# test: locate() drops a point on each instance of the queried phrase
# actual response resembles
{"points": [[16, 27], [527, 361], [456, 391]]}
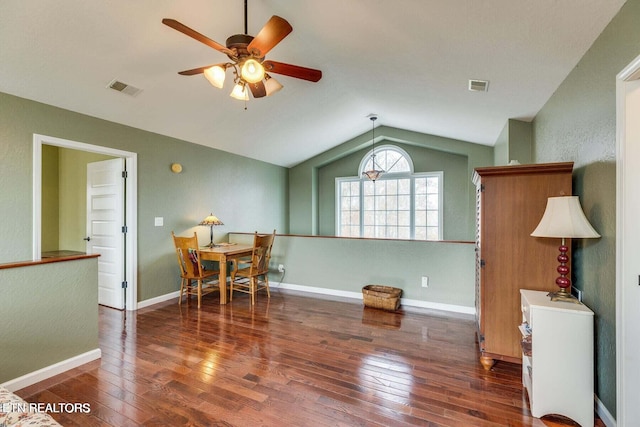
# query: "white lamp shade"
{"points": [[271, 85], [252, 71], [215, 75], [240, 92], [563, 217]]}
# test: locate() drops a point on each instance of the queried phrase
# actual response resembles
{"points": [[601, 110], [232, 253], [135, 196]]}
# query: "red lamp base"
{"points": [[563, 281]]}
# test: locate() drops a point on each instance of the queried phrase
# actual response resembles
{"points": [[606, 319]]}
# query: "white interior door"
{"points": [[105, 222]]}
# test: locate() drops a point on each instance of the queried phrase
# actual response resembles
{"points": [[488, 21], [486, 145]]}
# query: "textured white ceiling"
{"points": [[409, 61]]}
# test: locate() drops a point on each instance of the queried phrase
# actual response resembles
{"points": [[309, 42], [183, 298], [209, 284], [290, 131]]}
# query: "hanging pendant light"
{"points": [[373, 173]]}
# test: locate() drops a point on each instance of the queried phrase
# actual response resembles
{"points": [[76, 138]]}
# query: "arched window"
{"points": [[390, 159], [400, 204]]}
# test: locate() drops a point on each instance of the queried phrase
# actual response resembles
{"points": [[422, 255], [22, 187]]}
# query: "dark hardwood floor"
{"points": [[289, 361]]}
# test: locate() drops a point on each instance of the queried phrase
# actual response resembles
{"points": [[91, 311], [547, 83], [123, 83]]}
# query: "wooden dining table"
{"points": [[223, 254]]}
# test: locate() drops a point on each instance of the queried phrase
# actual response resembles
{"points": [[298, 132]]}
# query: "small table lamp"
{"points": [[563, 218], [211, 220]]}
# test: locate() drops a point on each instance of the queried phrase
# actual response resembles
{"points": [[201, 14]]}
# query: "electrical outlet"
{"points": [[281, 268], [425, 281]]}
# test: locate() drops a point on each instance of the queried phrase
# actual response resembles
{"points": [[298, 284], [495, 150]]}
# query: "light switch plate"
{"points": [[159, 221]]}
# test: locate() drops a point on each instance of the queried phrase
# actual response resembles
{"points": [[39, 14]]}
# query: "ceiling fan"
{"points": [[247, 55]]}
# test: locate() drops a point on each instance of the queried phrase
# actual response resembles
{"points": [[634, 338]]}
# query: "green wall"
{"points": [[50, 199], [334, 264], [305, 206], [514, 143], [578, 124], [64, 192], [48, 313], [231, 186]]}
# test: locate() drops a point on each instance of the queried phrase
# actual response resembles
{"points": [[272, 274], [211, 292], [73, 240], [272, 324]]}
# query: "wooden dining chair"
{"points": [[195, 280], [247, 278]]}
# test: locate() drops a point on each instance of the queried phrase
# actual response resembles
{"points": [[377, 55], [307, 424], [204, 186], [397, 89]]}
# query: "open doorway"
{"points": [[627, 237], [42, 142]]}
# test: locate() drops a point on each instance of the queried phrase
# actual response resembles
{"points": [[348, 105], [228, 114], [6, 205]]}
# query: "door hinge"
{"points": [[125, 174], [124, 285], [482, 263], [124, 229], [481, 187]]}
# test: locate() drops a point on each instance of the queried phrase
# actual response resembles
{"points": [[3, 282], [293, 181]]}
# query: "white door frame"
{"points": [[627, 328], [131, 214]]}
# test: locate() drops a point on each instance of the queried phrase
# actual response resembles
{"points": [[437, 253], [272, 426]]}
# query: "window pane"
{"points": [[345, 188], [404, 203], [432, 185], [404, 232], [432, 233], [368, 203], [421, 218], [403, 186], [354, 203], [432, 218], [404, 218], [354, 219], [432, 201], [392, 218], [421, 233], [392, 202], [421, 202], [368, 188], [421, 185]]}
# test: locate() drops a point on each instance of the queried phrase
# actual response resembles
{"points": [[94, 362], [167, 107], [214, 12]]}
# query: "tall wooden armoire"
{"points": [[510, 201]]}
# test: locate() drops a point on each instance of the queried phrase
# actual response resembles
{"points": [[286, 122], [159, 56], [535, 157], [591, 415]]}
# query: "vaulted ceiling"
{"points": [[409, 61]]}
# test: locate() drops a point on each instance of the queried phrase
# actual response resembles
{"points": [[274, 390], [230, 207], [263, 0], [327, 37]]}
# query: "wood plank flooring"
{"points": [[291, 360]]}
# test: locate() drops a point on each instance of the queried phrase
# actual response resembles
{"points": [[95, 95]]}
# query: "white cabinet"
{"points": [[557, 359]]}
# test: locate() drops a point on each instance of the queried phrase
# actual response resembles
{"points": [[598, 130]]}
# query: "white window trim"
{"points": [[403, 153], [386, 176]]}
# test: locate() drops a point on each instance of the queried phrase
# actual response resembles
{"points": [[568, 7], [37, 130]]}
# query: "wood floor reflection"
{"points": [[289, 361]]}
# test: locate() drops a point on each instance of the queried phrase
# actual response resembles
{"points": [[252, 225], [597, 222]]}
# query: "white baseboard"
{"points": [[52, 370], [335, 293], [604, 414], [358, 295], [156, 300]]}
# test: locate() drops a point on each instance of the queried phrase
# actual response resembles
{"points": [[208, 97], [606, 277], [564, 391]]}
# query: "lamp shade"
{"points": [[211, 220], [240, 92], [271, 85], [252, 71], [215, 75], [564, 217]]}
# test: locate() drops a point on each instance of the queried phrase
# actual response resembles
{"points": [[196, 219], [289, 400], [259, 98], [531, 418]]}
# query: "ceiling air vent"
{"points": [[478, 85], [124, 88]]}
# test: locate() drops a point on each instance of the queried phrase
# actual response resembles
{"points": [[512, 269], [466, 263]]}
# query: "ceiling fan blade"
{"points": [[257, 89], [292, 71], [195, 35], [270, 35], [195, 71]]}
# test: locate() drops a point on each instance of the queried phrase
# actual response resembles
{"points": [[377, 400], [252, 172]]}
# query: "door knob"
{"points": [[87, 238]]}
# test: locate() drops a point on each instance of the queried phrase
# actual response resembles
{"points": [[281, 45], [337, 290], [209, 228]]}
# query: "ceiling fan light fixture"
{"points": [[271, 85], [240, 92], [252, 71], [215, 75]]}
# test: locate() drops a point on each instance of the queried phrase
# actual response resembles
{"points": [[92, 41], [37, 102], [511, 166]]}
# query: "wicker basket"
{"points": [[379, 296]]}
